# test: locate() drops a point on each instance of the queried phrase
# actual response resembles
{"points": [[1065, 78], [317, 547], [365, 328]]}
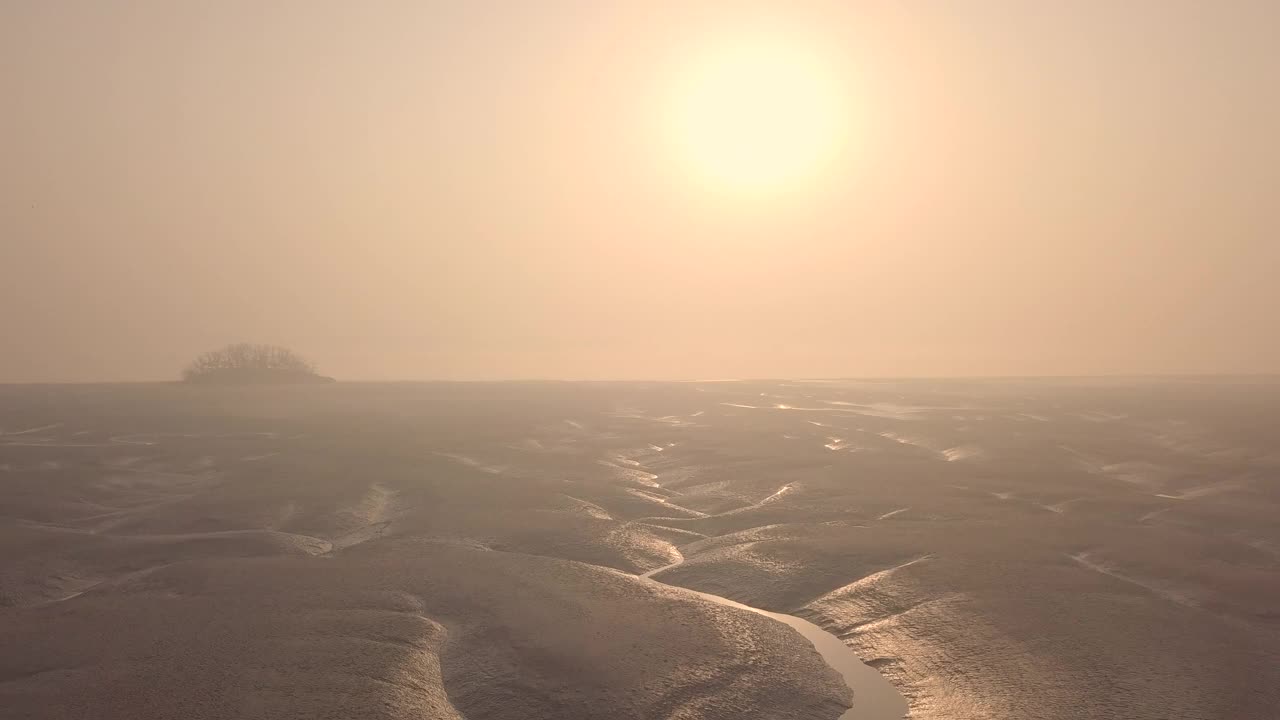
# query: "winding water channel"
{"points": [[874, 697]]}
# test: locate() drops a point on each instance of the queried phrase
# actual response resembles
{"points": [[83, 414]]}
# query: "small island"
{"points": [[252, 364]]}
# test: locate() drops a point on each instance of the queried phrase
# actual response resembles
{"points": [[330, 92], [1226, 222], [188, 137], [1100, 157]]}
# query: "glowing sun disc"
{"points": [[757, 117]]}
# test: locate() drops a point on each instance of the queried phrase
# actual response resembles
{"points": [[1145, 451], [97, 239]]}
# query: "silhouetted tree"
{"points": [[248, 362]]}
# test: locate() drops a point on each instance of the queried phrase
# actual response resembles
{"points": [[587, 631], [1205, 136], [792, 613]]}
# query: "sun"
{"points": [[757, 117]]}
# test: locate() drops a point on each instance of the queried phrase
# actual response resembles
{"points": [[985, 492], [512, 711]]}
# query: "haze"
{"points": [[481, 190]]}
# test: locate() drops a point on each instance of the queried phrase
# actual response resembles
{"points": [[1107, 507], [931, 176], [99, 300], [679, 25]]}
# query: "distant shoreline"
{"points": [[1231, 378]]}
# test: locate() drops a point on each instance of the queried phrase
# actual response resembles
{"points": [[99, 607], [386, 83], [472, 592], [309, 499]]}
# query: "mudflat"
{"points": [[996, 549]]}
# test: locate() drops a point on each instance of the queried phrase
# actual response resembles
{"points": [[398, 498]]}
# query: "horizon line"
{"points": [[1275, 375]]}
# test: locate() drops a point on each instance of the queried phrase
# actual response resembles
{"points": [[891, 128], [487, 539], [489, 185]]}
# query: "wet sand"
{"points": [[873, 697], [1061, 550]]}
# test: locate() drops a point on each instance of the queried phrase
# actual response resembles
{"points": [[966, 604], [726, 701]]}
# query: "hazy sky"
{"points": [[489, 189]]}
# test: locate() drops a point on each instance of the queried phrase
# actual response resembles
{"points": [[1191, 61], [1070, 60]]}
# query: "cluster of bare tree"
{"points": [[248, 358]]}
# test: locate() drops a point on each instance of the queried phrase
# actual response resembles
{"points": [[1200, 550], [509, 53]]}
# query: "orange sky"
{"points": [[405, 190]]}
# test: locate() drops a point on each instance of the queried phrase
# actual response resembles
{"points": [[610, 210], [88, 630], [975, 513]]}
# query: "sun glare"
{"points": [[757, 118]]}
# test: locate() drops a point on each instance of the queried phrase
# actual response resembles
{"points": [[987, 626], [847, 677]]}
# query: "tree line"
{"points": [[248, 360]]}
